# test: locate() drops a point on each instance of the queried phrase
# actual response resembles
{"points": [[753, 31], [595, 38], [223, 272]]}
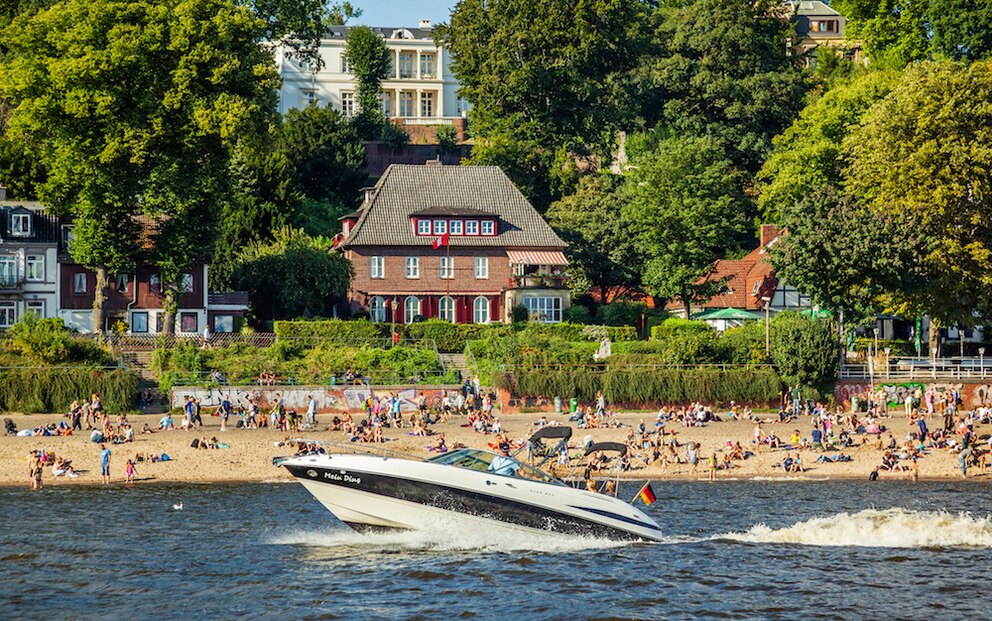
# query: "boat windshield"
{"points": [[475, 459]]}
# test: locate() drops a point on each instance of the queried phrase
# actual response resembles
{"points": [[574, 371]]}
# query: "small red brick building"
{"points": [[500, 253]]}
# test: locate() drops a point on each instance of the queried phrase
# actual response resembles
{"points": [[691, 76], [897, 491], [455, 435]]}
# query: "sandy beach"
{"points": [[250, 451]]}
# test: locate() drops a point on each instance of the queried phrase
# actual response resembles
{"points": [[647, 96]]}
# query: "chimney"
{"points": [[768, 233], [3, 192], [425, 24]]}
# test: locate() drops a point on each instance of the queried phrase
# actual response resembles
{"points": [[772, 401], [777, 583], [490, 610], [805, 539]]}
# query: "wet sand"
{"points": [[249, 457]]}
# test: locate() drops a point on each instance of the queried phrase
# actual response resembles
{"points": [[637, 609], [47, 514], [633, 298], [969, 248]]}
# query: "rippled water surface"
{"points": [[740, 550]]}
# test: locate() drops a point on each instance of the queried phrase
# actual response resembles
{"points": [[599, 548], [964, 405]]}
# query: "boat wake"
{"points": [[889, 528], [444, 540]]}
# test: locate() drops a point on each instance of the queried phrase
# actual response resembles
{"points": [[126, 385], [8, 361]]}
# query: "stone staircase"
{"points": [[455, 362], [140, 361]]}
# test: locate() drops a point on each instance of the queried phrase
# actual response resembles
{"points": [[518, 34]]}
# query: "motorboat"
{"points": [[370, 491]]}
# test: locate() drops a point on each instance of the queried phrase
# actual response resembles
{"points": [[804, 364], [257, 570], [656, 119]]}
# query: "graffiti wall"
{"points": [[329, 398], [973, 395]]}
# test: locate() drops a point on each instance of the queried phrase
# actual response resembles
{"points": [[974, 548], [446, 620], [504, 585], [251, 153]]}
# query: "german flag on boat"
{"points": [[646, 494]]}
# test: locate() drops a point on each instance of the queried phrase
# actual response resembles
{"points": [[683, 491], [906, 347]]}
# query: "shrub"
{"points": [[52, 390], [676, 325], [395, 137], [898, 347], [43, 340], [744, 344], [451, 337], [447, 139], [519, 314], [622, 313], [805, 350], [333, 329], [577, 314]]}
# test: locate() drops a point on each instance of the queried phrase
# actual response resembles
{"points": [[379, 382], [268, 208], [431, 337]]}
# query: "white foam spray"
{"points": [[889, 528]]}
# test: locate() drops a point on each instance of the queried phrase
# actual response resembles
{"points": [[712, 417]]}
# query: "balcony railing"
{"points": [[10, 281], [536, 281]]}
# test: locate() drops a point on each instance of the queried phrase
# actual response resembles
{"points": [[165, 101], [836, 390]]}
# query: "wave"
{"points": [[889, 528], [444, 538]]}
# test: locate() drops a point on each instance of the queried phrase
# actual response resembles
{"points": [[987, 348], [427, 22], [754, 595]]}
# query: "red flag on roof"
{"points": [[441, 241]]}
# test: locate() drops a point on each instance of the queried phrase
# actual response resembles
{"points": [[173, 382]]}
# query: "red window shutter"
{"points": [[494, 309]]}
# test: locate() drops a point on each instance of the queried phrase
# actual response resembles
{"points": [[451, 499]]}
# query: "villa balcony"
{"points": [[538, 281], [9, 282]]}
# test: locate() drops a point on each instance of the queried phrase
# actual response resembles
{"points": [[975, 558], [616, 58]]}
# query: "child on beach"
{"points": [[130, 471]]}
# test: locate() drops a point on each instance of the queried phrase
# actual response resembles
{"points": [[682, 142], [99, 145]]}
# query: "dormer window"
{"points": [[471, 227], [488, 227], [20, 225], [423, 227], [67, 235], [456, 227], [440, 227]]}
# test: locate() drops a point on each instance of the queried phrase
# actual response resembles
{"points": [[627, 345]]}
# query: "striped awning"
{"points": [[536, 257]]}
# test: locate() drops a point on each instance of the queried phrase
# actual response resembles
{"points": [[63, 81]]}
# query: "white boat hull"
{"points": [[378, 492]]}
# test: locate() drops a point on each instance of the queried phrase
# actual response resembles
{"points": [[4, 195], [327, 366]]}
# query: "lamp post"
{"points": [[875, 330], [887, 351], [981, 360], [391, 305], [768, 349]]}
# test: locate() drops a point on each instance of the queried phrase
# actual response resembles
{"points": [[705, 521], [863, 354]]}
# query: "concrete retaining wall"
{"points": [[329, 398], [973, 395]]}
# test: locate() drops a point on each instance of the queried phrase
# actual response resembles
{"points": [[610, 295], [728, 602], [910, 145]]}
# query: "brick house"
{"points": [[750, 281], [501, 252]]}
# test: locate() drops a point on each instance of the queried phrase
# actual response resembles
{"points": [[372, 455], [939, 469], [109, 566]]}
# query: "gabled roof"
{"points": [[813, 8], [44, 226], [404, 190]]}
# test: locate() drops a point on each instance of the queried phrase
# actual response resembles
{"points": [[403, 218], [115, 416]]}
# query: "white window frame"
{"points": [[79, 285], [20, 225], [196, 318], [377, 309], [225, 317], [310, 98], [377, 267], [122, 282], [411, 267], [404, 105], [428, 60], [427, 104], [447, 268], [345, 65], [440, 227], [34, 270], [423, 226], [456, 227], [8, 314], [446, 308], [35, 306], [480, 310], [407, 308], [9, 269], [471, 227], [544, 309], [407, 65], [481, 268], [134, 323], [348, 107], [487, 227], [386, 105]]}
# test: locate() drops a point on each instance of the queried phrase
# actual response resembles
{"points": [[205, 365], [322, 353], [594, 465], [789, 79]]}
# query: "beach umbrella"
{"points": [[809, 312], [727, 314]]}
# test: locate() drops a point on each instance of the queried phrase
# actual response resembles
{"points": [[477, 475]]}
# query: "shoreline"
{"points": [[249, 456]]}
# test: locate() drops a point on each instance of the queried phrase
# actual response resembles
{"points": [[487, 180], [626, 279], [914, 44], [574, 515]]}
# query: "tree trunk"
{"points": [[99, 300], [170, 294], [687, 305], [934, 338]]}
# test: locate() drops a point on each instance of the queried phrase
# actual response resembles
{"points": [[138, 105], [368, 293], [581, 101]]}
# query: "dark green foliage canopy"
{"points": [[324, 154], [805, 351]]}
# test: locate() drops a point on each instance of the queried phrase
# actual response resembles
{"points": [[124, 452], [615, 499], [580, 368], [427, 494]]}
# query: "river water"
{"points": [[736, 550]]}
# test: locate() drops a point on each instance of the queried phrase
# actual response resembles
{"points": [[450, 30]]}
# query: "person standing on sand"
{"points": [[713, 464], [130, 471], [35, 468], [105, 464], [915, 470]]}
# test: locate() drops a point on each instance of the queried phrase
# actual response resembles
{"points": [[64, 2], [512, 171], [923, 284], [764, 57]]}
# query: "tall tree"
{"points": [[369, 59], [133, 106], [686, 209], [925, 151], [808, 155], [296, 24], [600, 247], [325, 154], [724, 72], [293, 275]]}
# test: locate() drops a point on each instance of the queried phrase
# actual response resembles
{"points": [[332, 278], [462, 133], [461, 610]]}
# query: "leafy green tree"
{"points": [[133, 106], [296, 24], [600, 245], [318, 218], [962, 29], [369, 59], [723, 72], [341, 13], [805, 350], [924, 153], [525, 162], [847, 257], [293, 275], [544, 70], [324, 153], [685, 210], [447, 139], [808, 155]]}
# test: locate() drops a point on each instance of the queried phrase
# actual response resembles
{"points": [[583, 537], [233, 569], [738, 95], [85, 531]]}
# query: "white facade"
{"points": [[421, 88], [28, 262]]}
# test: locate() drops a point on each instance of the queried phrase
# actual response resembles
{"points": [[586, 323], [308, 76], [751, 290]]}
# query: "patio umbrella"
{"points": [[729, 314]]}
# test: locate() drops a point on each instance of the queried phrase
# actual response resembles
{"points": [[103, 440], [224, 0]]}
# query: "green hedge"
{"points": [[53, 390], [451, 337], [898, 348], [629, 385], [334, 329]]}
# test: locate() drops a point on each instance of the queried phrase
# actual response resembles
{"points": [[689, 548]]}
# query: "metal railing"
{"points": [[470, 360], [308, 378], [918, 369]]}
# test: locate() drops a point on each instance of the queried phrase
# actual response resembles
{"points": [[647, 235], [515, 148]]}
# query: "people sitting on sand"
{"points": [[828, 459], [63, 467]]}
